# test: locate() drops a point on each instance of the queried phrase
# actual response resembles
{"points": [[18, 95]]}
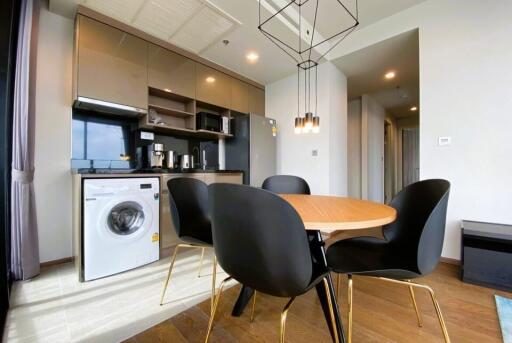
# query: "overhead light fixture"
{"points": [[210, 79], [310, 48], [390, 75], [414, 108], [252, 57]]}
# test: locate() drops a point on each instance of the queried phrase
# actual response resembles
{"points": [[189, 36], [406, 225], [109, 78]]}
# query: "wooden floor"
{"points": [[383, 312]]}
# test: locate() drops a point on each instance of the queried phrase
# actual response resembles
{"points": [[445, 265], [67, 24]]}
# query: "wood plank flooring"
{"points": [[383, 312]]}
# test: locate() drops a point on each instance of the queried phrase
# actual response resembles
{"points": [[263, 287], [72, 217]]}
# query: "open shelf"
{"points": [[213, 134], [170, 111], [205, 107]]}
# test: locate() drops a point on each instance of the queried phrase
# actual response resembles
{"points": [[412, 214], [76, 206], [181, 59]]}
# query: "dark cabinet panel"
{"points": [[111, 65], [171, 72]]}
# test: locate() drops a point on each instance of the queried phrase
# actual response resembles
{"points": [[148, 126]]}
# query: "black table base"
{"points": [[316, 244]]}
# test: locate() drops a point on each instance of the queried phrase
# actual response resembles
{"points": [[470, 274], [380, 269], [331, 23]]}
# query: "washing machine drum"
{"points": [[125, 218]]}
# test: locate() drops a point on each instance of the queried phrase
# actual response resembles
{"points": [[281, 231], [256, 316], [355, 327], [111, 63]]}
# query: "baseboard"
{"points": [[450, 261], [57, 262]]}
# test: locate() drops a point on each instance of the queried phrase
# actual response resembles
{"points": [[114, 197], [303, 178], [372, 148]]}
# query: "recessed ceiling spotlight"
{"points": [[210, 79], [252, 57], [414, 108], [168, 90], [390, 75]]}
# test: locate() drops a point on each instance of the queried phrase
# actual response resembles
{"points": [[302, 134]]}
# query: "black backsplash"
{"points": [[100, 141]]}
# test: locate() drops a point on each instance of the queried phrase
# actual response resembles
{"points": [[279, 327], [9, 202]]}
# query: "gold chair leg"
{"points": [[338, 284], [284, 313], [331, 310], [411, 290], [169, 273], [214, 309], [350, 308], [201, 262], [439, 315], [253, 306], [434, 301], [214, 281]]}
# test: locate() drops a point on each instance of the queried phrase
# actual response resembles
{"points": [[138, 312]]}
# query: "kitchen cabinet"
{"points": [[111, 65], [239, 96], [212, 86], [236, 178], [256, 100], [171, 72]]}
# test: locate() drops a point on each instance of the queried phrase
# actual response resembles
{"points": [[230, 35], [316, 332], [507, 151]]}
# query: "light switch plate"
{"points": [[314, 153], [444, 141]]}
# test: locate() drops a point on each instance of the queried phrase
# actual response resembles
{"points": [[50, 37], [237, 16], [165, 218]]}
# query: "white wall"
{"points": [[354, 148], [52, 180], [327, 172], [465, 93], [372, 125]]}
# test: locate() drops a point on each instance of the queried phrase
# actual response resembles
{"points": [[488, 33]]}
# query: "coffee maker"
{"points": [[150, 156]]}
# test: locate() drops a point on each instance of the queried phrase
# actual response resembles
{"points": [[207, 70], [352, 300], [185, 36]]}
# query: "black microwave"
{"points": [[211, 122]]}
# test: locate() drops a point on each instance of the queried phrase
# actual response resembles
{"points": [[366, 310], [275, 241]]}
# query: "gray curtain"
{"points": [[24, 239]]}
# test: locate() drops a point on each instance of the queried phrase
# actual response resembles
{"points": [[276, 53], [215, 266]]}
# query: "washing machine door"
{"points": [[126, 218]]}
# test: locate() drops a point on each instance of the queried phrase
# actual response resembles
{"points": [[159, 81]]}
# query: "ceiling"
{"points": [[365, 71], [201, 26]]}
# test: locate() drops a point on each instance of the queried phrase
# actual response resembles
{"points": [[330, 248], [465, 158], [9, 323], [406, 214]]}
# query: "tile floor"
{"points": [[55, 307]]}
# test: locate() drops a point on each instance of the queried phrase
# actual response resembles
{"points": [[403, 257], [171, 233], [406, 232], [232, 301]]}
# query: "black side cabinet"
{"points": [[487, 254]]}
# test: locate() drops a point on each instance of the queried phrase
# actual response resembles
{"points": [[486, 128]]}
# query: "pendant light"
{"points": [[307, 52]]}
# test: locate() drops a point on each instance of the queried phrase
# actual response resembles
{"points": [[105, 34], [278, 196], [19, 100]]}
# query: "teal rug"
{"points": [[504, 307]]}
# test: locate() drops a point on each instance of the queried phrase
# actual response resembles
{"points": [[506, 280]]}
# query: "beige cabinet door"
{"points": [[171, 72], [239, 96], [235, 178], [212, 86], [256, 100], [168, 236], [112, 65]]}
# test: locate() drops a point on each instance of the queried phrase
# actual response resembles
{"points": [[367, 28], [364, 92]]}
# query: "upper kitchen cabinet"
{"points": [[171, 72], [111, 65], [239, 96], [212, 86], [256, 100]]}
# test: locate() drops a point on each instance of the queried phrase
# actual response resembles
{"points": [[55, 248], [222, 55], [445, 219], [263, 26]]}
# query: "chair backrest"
{"points": [[188, 198], [260, 240], [286, 184], [421, 220]]}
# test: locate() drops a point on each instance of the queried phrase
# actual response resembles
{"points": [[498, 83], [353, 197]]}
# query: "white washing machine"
{"points": [[120, 225]]}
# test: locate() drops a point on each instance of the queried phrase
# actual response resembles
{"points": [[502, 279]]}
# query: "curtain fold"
{"points": [[24, 236]]}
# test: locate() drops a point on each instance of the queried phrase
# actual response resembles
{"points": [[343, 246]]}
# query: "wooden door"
{"points": [[112, 64], [171, 72], [213, 86]]}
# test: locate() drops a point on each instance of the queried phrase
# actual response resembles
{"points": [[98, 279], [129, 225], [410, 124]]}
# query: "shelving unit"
{"points": [[173, 113]]}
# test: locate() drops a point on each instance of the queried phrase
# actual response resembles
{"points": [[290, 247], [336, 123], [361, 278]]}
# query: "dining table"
{"points": [[328, 215]]}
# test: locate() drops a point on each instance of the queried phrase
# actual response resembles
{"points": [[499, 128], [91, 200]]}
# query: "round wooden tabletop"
{"points": [[330, 214]]}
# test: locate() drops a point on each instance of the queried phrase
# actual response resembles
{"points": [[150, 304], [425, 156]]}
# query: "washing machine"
{"points": [[120, 228]]}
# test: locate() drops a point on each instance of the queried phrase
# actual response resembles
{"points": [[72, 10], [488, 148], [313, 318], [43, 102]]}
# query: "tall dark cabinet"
{"points": [[9, 10]]}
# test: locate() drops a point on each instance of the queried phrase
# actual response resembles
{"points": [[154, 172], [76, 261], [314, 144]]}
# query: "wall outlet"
{"points": [[444, 141]]}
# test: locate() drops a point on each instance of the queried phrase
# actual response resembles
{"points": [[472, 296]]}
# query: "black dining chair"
{"points": [[286, 184], [411, 247], [188, 200], [260, 241]]}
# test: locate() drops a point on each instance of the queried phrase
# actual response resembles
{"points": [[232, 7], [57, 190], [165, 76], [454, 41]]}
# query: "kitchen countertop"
{"points": [[107, 171]]}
